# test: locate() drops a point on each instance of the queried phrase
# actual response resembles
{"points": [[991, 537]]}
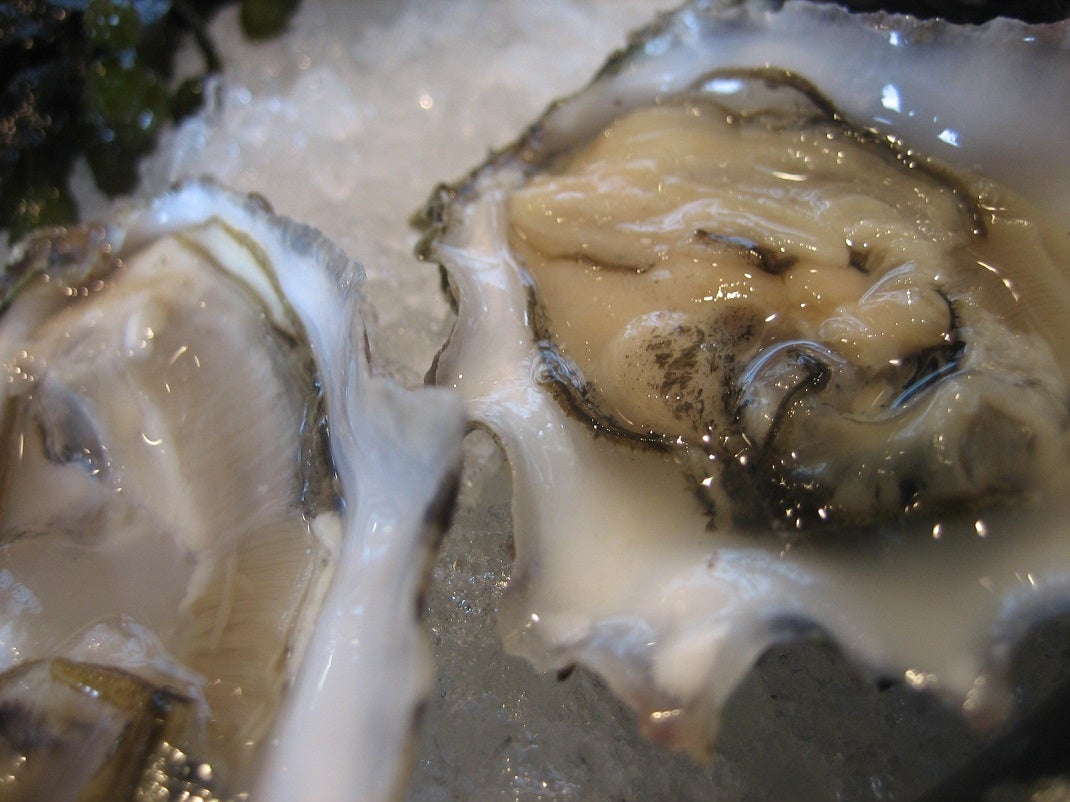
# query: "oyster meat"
{"points": [[214, 520], [770, 321]]}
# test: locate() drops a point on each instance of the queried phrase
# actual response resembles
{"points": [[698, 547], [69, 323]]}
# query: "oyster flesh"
{"points": [[770, 321], [214, 520]]}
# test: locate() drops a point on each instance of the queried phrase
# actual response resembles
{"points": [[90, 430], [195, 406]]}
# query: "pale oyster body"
{"points": [[632, 561], [213, 515]]}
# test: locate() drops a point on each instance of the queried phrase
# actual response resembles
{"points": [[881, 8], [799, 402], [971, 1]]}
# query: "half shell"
{"points": [[213, 514], [620, 566]]}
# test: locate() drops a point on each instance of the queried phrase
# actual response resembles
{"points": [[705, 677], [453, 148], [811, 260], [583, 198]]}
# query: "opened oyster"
{"points": [[214, 521], [770, 322]]}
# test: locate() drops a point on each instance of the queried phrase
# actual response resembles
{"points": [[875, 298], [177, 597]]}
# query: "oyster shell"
{"points": [[637, 549], [213, 515]]}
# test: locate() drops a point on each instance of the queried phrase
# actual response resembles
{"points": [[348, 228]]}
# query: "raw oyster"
{"points": [[701, 358], [215, 521]]}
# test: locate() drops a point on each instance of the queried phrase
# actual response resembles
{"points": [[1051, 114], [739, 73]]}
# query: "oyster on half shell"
{"points": [[770, 322], [214, 521]]}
